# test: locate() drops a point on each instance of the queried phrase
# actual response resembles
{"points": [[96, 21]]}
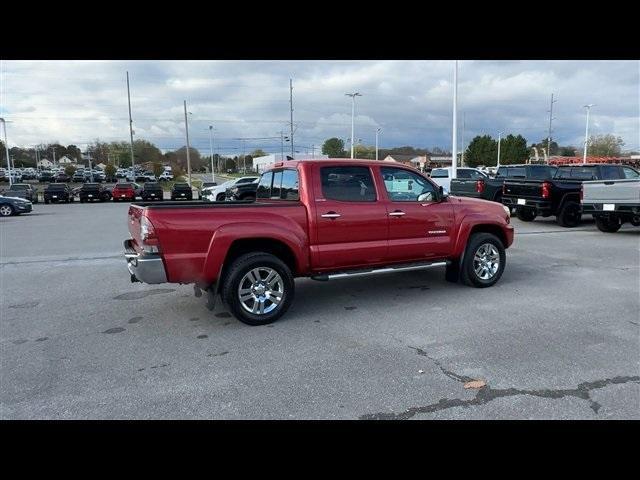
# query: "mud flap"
{"points": [[212, 293]]}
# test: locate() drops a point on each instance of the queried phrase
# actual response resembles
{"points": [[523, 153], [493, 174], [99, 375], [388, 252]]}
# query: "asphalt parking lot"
{"points": [[557, 338]]}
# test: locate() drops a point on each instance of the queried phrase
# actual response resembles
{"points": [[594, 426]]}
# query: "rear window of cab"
{"points": [[279, 185]]}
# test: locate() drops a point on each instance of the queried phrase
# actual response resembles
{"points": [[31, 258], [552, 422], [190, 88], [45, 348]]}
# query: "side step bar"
{"points": [[359, 273]]}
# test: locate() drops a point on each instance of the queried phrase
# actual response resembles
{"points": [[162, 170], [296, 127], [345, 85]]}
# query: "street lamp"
{"points": [[6, 148], [353, 109], [586, 133], [499, 142], [213, 175]]}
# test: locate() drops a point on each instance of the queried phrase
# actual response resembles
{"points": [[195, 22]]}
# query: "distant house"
{"points": [[44, 163], [262, 163], [66, 161], [418, 162]]}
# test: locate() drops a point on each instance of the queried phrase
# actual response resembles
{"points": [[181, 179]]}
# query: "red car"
{"points": [[320, 219], [125, 191]]}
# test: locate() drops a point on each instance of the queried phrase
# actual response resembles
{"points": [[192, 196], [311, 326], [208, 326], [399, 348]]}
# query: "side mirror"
{"points": [[444, 193]]}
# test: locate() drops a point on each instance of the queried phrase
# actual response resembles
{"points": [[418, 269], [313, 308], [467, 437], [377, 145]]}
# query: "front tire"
{"points": [[570, 215], [220, 197], [484, 260], [258, 288], [608, 224], [6, 210]]}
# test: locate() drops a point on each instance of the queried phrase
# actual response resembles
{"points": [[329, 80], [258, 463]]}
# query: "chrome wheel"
{"points": [[261, 290], [486, 261], [5, 210]]}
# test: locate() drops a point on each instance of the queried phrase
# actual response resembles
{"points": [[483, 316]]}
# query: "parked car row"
{"points": [[532, 190]]}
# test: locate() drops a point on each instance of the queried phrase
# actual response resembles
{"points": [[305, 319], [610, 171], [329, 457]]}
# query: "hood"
{"points": [[478, 205]]}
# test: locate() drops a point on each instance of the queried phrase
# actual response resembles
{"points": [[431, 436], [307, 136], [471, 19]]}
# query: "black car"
{"points": [[45, 176], [242, 191], [152, 191], [90, 192], [58, 192], [62, 177], [22, 190], [13, 206], [181, 191]]}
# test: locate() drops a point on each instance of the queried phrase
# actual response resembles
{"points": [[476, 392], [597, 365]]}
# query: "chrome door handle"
{"points": [[330, 215], [397, 213]]}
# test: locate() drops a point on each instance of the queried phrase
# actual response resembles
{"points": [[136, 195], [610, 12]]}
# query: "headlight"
{"points": [[507, 210]]}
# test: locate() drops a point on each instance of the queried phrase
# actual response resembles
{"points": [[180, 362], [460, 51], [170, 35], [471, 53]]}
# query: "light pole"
{"points": [[186, 128], [550, 120], [353, 110], [6, 148], [130, 128], [454, 141], [586, 133], [499, 142], [378, 130], [213, 175]]}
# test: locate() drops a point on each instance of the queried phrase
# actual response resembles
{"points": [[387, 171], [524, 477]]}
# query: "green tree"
{"points": [[334, 147], [482, 150], [567, 151], [110, 170], [157, 168], [364, 151], [542, 147], [74, 153], [258, 153], [70, 170], [605, 145], [513, 149]]}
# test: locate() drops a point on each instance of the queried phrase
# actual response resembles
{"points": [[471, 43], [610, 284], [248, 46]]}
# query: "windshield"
{"points": [[439, 173], [18, 186]]}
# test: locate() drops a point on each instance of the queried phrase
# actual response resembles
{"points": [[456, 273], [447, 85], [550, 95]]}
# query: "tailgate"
{"points": [[464, 187], [523, 188], [612, 191], [135, 214]]}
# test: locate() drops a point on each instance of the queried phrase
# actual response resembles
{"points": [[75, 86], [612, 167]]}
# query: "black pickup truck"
{"points": [[152, 191], [90, 192], [476, 184], [181, 191], [58, 192], [559, 196]]}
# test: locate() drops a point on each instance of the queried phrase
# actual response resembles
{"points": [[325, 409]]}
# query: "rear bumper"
{"points": [[618, 208], [541, 206], [146, 268]]}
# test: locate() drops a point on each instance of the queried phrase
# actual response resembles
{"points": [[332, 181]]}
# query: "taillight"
{"points": [[546, 189], [147, 232], [479, 186], [504, 188]]}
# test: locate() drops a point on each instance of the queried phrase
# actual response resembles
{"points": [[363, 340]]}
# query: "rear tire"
{"points": [[569, 215], [220, 197], [484, 260], [608, 224], [238, 276], [526, 214]]}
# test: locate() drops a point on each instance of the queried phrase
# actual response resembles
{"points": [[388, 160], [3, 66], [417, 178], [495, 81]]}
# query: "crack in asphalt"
{"points": [[487, 394]]}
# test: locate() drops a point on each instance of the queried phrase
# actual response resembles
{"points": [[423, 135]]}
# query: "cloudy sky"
{"points": [[75, 102]]}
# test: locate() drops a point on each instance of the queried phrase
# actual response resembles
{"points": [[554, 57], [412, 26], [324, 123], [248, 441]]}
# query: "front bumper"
{"points": [[144, 267], [23, 207]]}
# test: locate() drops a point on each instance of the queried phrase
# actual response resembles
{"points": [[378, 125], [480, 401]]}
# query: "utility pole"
{"points": [[353, 110], [499, 141], [53, 150], [291, 105], [464, 125], [378, 130], [130, 127], [6, 149], [213, 175], [550, 120], [586, 133], [186, 129], [454, 159], [282, 145]]}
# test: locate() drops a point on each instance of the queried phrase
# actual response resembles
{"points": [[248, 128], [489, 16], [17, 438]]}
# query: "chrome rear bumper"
{"points": [[146, 268]]}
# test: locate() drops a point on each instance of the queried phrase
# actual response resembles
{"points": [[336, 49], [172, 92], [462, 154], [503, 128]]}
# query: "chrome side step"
{"points": [[359, 273]]}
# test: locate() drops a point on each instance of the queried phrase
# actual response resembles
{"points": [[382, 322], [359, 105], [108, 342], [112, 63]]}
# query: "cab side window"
{"points": [[405, 186], [630, 172], [348, 184], [264, 186]]}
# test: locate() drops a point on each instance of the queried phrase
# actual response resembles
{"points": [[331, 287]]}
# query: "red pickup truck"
{"points": [[320, 219]]}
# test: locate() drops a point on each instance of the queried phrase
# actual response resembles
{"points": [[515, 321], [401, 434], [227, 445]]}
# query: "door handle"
{"points": [[397, 213], [330, 215]]}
